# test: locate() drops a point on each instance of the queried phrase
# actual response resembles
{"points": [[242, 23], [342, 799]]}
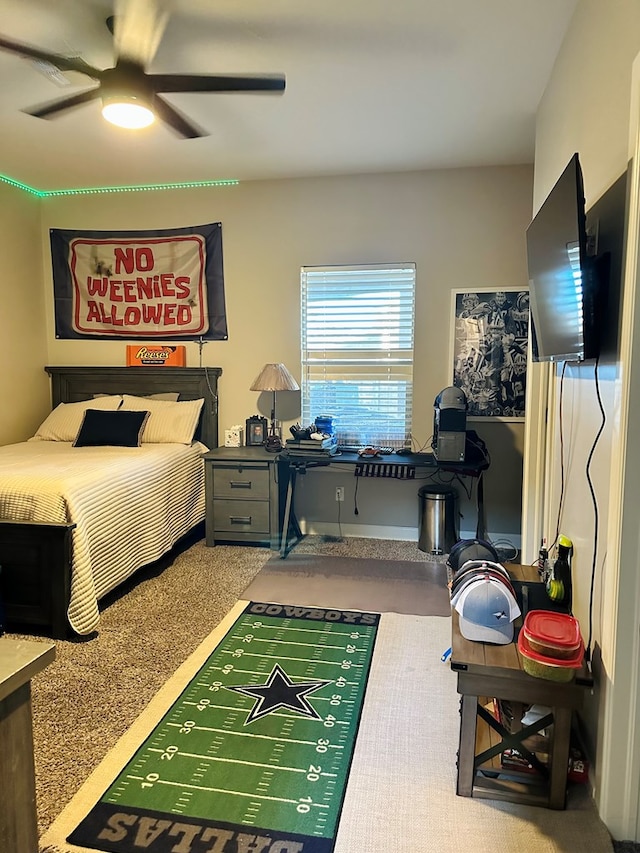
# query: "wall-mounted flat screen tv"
{"points": [[566, 285]]}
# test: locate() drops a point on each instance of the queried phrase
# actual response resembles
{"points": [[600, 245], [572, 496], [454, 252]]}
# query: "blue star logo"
{"points": [[280, 692]]}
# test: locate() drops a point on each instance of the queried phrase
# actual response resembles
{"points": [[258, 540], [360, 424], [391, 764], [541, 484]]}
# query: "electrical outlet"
{"points": [[339, 493]]}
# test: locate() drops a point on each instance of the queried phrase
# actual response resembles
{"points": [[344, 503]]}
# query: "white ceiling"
{"points": [[372, 86]]}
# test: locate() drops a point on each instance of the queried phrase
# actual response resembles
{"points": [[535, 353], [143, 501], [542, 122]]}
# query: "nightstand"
{"points": [[243, 497], [20, 660]]}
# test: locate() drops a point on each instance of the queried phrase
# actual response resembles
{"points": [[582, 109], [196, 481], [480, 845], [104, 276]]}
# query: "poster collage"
{"points": [[491, 339]]}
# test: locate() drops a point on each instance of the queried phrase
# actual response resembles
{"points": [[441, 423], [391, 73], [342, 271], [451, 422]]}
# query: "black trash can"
{"points": [[438, 520]]}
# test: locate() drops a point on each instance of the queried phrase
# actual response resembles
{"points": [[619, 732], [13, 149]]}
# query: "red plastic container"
{"points": [[554, 635]]}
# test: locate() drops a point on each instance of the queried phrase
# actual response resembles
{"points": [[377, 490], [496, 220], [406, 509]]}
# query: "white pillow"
{"points": [[169, 423], [163, 395], [65, 420], [174, 396]]}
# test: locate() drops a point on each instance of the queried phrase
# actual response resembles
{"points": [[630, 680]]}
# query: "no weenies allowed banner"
{"points": [[139, 284]]}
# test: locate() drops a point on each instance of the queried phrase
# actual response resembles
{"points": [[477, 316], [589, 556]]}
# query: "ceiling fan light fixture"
{"points": [[127, 111]]}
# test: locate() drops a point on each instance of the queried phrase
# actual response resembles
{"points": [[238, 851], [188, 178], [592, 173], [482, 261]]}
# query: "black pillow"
{"points": [[116, 428]]}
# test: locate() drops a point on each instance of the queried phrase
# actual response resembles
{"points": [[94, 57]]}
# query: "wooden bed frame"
{"points": [[35, 559]]}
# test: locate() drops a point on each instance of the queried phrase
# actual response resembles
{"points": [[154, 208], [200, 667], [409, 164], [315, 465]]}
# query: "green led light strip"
{"points": [[20, 186], [187, 185]]}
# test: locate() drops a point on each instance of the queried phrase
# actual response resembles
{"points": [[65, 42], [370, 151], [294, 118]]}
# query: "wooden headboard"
{"points": [[72, 384]]}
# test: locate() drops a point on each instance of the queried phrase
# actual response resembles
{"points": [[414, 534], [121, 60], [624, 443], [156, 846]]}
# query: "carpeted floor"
{"points": [[356, 583], [246, 758], [97, 687]]}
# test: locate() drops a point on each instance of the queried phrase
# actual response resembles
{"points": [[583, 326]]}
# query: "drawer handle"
{"points": [[240, 519], [240, 484]]}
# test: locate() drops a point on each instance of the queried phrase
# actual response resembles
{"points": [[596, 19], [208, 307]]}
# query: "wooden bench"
{"points": [[488, 672]]}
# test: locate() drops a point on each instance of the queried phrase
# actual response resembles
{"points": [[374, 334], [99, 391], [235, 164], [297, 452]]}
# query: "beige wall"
{"points": [[24, 385], [462, 228], [586, 108]]}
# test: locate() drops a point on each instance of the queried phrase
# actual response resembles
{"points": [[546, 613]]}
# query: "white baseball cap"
{"points": [[474, 577], [487, 609]]}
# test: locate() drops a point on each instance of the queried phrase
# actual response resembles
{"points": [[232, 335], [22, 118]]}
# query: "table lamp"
{"points": [[274, 377]]}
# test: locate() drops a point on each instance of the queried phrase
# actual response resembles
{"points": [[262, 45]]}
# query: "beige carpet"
{"points": [[402, 794], [354, 583], [96, 687], [401, 790]]}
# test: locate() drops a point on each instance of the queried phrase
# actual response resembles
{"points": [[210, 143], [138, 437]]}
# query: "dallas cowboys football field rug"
{"points": [[397, 792], [253, 753]]}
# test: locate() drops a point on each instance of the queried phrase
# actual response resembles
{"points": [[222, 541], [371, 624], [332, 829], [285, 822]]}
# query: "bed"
{"points": [[75, 522]]}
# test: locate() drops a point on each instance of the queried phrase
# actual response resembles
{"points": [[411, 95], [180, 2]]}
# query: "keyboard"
{"points": [[356, 448]]}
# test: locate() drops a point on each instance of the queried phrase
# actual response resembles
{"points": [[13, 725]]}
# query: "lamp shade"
{"points": [[274, 377], [129, 112]]}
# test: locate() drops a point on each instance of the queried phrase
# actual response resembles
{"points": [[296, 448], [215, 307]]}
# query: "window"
{"points": [[357, 351]]}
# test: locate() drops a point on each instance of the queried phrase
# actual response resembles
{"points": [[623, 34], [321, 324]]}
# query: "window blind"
{"points": [[357, 332]]}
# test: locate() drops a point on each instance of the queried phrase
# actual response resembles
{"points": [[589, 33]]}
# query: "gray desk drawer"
{"points": [[241, 482], [240, 516]]}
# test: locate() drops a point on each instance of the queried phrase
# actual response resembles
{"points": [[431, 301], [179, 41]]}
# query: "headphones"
{"points": [[471, 549]]}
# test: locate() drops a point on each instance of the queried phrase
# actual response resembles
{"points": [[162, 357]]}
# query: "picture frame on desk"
{"points": [[489, 346], [256, 431]]}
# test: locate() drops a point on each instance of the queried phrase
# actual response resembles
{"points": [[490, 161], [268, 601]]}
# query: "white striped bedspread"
{"points": [[130, 505]]}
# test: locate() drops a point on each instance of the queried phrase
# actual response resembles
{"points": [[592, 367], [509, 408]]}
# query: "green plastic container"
{"points": [[542, 666]]}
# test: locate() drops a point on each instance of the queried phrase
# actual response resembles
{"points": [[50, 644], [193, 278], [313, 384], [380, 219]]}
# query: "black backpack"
{"points": [[475, 450]]}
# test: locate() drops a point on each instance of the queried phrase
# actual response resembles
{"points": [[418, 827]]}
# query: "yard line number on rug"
{"points": [[255, 752]]}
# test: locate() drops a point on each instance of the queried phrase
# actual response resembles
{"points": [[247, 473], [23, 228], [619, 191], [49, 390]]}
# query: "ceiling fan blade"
{"points": [[175, 120], [138, 27], [216, 83], [53, 108], [63, 63]]}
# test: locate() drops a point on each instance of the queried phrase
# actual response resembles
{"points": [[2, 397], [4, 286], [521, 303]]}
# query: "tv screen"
{"points": [[564, 282]]}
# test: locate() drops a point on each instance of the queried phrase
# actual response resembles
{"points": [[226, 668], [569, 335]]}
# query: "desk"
{"points": [[400, 466], [496, 672]]}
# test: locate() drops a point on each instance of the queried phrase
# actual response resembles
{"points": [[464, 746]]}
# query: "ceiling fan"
{"points": [[127, 88]]}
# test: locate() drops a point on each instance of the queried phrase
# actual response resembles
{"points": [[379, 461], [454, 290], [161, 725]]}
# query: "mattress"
{"points": [[129, 505]]}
